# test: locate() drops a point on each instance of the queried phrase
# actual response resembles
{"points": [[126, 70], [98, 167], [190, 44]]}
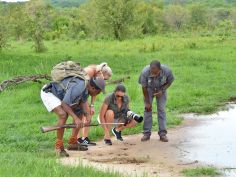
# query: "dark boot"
{"points": [[145, 137], [61, 153], [59, 149], [164, 138], [74, 146]]}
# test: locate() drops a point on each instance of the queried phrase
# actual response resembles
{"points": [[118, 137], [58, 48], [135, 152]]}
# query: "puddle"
{"points": [[213, 140], [228, 173]]}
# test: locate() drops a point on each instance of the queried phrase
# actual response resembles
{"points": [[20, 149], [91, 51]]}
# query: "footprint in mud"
{"points": [[132, 144], [124, 149], [121, 160]]}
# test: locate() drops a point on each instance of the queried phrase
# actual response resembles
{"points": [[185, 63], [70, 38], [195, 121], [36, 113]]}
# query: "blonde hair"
{"points": [[104, 68]]}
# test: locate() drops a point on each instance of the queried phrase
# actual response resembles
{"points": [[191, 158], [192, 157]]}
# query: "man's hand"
{"points": [[148, 107], [92, 111], [78, 123], [158, 94]]}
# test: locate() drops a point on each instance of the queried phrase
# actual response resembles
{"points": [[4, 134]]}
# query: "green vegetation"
{"points": [[203, 68], [209, 171], [212, 3], [38, 20], [66, 3], [197, 41]]}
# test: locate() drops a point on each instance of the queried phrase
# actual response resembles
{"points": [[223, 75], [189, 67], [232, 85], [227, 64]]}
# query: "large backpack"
{"points": [[67, 69]]}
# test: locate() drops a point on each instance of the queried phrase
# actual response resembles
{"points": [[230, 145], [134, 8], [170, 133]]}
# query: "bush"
{"points": [[3, 34]]}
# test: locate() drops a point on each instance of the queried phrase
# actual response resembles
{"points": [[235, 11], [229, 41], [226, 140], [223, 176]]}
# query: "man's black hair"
{"points": [[121, 88], [156, 63]]}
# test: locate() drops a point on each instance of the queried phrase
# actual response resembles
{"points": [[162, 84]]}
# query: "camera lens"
{"points": [[138, 119]]}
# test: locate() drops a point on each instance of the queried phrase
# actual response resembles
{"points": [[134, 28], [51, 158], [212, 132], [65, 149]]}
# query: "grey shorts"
{"points": [[79, 111], [119, 120]]}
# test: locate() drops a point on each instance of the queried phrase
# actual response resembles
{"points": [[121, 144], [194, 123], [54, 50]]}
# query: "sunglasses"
{"points": [[118, 96]]}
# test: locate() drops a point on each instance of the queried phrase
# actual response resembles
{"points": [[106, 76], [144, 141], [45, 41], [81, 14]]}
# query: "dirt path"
{"points": [[135, 158]]}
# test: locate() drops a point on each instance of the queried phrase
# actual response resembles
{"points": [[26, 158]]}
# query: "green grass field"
{"points": [[204, 69], [207, 171]]}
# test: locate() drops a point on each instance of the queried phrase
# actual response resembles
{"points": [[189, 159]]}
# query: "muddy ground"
{"points": [[135, 158], [199, 142]]}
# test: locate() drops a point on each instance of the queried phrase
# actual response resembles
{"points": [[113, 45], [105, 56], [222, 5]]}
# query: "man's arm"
{"points": [[70, 112], [164, 87], [145, 94], [86, 108], [93, 98], [170, 79], [148, 106]]}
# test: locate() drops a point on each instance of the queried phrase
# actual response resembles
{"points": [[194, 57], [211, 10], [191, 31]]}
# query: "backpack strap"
{"points": [[65, 88]]}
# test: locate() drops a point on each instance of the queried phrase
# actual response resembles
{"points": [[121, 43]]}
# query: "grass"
{"points": [[204, 68], [204, 171]]}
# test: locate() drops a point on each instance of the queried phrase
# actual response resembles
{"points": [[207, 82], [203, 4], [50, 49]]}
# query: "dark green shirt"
{"points": [[110, 100]]}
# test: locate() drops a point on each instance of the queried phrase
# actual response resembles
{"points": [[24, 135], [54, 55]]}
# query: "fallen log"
{"points": [[37, 77], [21, 79]]}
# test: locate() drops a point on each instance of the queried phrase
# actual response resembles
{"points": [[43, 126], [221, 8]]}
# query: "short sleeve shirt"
{"points": [[76, 91], [155, 83], [110, 100]]}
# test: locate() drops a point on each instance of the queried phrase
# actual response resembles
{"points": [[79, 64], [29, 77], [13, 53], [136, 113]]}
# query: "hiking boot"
{"points": [[164, 138], [86, 142], [76, 147], [79, 140], [145, 137], [61, 152], [107, 142], [117, 134]]}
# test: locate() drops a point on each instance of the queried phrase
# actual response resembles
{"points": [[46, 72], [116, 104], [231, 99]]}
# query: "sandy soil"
{"points": [[135, 158]]}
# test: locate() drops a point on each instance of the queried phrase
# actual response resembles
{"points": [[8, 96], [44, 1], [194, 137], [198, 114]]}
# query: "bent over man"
{"points": [[155, 80], [61, 98]]}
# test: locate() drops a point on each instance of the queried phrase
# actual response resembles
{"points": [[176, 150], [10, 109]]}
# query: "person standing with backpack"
{"points": [[103, 71], [62, 95]]}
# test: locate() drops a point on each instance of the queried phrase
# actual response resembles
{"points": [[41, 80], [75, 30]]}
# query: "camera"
{"points": [[136, 117]]}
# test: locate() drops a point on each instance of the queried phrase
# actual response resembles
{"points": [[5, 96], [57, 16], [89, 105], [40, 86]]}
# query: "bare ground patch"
{"points": [[135, 158]]}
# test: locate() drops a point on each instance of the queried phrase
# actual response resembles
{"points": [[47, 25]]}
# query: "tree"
{"points": [[222, 14], [176, 17], [17, 20], [3, 29], [117, 19], [197, 16], [37, 15], [152, 14], [233, 18]]}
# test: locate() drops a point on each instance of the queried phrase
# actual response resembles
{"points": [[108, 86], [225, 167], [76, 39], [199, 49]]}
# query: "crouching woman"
{"points": [[114, 110]]}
